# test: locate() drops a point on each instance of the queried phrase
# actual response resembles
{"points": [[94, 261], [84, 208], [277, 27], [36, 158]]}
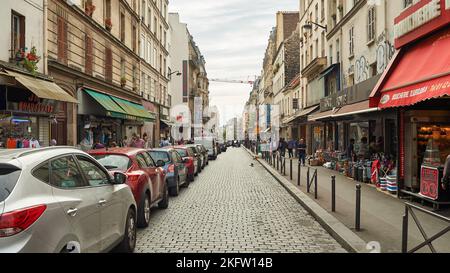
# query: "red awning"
{"points": [[418, 73]]}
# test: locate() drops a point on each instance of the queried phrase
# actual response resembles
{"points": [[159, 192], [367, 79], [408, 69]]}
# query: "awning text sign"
{"points": [[416, 93]]}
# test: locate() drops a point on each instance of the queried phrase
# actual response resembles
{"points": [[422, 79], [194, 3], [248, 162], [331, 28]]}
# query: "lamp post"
{"points": [[309, 25]]}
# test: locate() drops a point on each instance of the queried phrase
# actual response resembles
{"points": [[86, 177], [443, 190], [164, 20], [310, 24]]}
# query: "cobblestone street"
{"points": [[233, 207]]}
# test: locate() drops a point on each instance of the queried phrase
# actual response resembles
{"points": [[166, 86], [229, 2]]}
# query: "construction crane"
{"points": [[233, 81]]}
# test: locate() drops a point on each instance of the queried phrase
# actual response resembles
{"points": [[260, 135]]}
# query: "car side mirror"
{"points": [[119, 178], [160, 163]]}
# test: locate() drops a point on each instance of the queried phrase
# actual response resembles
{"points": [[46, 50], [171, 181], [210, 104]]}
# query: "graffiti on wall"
{"points": [[361, 69], [381, 56], [385, 52]]}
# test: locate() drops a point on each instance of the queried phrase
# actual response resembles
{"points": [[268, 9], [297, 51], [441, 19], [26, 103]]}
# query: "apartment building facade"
{"points": [[32, 106], [189, 83]]}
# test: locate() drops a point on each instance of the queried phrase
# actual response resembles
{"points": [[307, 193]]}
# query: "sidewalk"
{"points": [[381, 213]]}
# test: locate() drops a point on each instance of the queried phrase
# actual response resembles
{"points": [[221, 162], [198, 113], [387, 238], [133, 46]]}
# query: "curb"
{"points": [[346, 237]]}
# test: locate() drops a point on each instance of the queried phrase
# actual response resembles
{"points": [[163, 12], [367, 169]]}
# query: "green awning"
{"points": [[108, 103], [133, 109]]}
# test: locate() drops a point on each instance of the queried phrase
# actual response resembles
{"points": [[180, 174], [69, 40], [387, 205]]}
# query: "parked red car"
{"points": [[191, 162], [146, 180]]}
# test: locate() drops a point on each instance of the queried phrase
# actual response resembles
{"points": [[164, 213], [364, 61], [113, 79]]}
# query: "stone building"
{"points": [[94, 53], [32, 106], [190, 84], [286, 62]]}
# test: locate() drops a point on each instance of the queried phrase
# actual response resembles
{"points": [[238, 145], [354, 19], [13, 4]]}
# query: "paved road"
{"points": [[232, 207]]}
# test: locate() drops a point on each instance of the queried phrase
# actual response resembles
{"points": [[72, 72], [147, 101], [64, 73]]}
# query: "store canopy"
{"points": [[354, 109], [329, 70], [107, 103], [133, 109], [417, 73], [167, 123], [323, 115], [42, 88]]}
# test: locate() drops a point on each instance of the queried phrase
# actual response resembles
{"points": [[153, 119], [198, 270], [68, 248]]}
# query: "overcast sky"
{"points": [[232, 35]]}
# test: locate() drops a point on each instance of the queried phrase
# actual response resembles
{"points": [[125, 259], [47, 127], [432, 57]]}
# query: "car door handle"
{"points": [[102, 202], [72, 212]]}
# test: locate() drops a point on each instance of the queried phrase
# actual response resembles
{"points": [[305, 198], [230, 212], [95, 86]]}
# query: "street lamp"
{"points": [[178, 73], [309, 25]]}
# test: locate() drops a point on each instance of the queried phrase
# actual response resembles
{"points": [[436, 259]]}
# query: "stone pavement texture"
{"points": [[234, 208], [381, 213]]}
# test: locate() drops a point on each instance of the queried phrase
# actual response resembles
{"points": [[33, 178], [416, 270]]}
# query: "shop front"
{"points": [[30, 108], [108, 119], [417, 84]]}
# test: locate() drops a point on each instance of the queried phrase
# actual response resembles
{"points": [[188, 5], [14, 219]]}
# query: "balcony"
{"points": [[314, 67]]}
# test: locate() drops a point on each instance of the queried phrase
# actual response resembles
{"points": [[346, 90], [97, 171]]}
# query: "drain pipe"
{"points": [[45, 37]]}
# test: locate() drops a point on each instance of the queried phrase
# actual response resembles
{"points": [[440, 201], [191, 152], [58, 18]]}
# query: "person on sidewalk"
{"points": [[282, 147], [291, 146], [301, 150], [350, 152], [446, 178]]}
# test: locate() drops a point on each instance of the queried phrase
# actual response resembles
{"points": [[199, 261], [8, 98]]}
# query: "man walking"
{"points": [[291, 146], [301, 149]]}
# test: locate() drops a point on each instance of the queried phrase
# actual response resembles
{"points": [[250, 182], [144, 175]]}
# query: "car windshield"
{"points": [[114, 162], [182, 152], [193, 150], [8, 178], [159, 155]]}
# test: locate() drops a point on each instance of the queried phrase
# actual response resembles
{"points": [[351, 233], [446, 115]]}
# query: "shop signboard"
{"points": [[420, 19], [32, 104], [429, 182]]}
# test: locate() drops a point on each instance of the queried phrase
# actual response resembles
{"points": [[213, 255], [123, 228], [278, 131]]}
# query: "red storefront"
{"points": [[417, 84]]}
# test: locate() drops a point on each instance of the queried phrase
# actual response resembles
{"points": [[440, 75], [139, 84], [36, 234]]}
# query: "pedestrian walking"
{"points": [[350, 152], [292, 145], [98, 144], [53, 143], [301, 150], [137, 142], [282, 147]]}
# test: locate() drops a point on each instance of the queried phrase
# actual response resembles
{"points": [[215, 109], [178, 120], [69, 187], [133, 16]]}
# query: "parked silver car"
{"points": [[61, 200]]}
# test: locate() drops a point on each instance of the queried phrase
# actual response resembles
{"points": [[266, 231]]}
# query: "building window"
{"points": [[331, 54], [62, 40], [133, 37], [338, 53], [371, 24], [107, 9], [351, 42], [122, 27], [17, 33]]}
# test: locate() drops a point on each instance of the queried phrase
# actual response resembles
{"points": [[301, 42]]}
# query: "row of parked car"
{"points": [[61, 199]]}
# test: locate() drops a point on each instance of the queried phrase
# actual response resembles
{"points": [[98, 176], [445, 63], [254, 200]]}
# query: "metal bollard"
{"points": [[290, 169], [405, 231], [284, 165], [333, 193], [299, 172], [315, 184], [307, 180], [278, 163], [358, 208]]}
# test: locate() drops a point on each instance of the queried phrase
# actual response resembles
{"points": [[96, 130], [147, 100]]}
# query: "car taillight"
{"points": [[171, 168], [14, 222]]}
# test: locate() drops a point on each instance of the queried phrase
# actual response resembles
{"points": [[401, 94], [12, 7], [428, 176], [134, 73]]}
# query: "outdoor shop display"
{"points": [[437, 148]]}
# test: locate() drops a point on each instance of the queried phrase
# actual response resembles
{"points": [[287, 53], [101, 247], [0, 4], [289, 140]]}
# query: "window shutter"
{"points": [[108, 64], [62, 40], [89, 55]]}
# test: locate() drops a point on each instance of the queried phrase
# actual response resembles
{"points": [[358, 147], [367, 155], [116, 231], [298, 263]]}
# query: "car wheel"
{"points": [[175, 191], [164, 203], [129, 238], [144, 212]]}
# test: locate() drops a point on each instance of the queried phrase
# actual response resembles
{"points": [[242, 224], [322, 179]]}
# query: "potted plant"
{"points": [[89, 9], [108, 24], [20, 55], [123, 81]]}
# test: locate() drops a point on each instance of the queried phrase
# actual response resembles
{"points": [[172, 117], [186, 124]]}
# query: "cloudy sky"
{"points": [[232, 35]]}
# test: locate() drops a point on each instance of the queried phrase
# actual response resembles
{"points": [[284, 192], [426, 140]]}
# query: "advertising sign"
{"points": [[429, 182]]}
